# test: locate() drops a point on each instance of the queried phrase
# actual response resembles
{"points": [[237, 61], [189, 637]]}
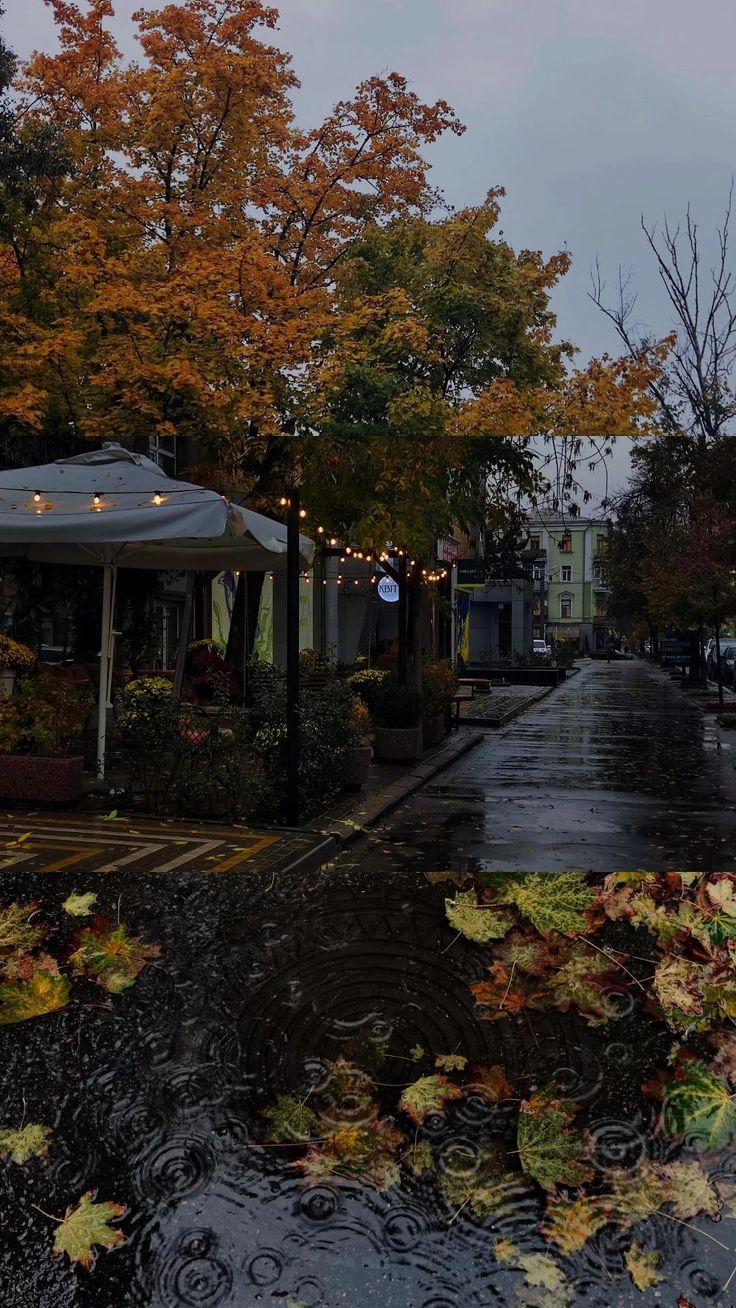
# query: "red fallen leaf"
{"points": [[682, 1302], [489, 1083]]}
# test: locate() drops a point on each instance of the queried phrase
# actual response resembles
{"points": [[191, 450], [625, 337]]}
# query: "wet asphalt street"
{"points": [[617, 769]]}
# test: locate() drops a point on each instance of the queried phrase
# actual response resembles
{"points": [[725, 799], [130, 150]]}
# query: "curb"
{"points": [[346, 829], [312, 859]]}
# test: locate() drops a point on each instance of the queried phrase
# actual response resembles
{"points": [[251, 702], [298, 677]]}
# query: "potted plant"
{"points": [[439, 685], [41, 728], [210, 675], [366, 682], [398, 718], [361, 752], [14, 658]]}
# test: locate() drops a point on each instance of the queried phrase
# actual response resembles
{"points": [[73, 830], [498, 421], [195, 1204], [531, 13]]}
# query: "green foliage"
{"points": [[366, 683], [439, 684], [397, 706], [549, 1149], [44, 715]]}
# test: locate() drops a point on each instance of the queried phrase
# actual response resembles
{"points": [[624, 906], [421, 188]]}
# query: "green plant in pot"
{"points": [[366, 683], [41, 730], [361, 753], [397, 714], [14, 658], [147, 726], [439, 685]]}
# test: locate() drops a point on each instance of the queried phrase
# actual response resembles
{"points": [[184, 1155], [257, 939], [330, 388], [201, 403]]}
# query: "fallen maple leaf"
{"points": [[427, 1095], [85, 1224], [554, 902], [79, 905], [109, 956], [17, 933], [642, 1266], [475, 922], [40, 994], [548, 1149], [30, 1141], [570, 1223], [489, 1083], [450, 1062]]}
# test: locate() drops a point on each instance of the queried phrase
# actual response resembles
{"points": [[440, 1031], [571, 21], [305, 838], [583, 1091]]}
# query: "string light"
{"points": [[333, 541], [348, 549], [158, 499], [283, 502], [302, 513], [37, 497], [320, 531]]}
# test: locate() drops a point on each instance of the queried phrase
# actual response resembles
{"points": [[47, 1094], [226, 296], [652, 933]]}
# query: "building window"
{"points": [[538, 572], [566, 573], [566, 543], [597, 572], [601, 543], [565, 606], [534, 544], [162, 450], [601, 607]]}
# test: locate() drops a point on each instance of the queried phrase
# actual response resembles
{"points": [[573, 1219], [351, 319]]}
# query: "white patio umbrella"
{"points": [[114, 508]]}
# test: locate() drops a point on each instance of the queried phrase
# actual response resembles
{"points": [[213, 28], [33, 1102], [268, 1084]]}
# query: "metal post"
{"points": [[186, 624], [293, 569], [105, 657], [402, 619]]}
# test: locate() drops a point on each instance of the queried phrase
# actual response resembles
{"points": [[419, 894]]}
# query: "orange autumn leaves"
{"points": [[189, 276]]}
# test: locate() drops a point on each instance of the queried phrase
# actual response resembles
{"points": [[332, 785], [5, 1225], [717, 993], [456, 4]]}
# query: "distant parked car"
{"points": [[541, 647], [728, 660]]}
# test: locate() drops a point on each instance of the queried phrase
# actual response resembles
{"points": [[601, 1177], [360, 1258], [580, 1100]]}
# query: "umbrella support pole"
{"points": [[293, 569], [110, 574]]}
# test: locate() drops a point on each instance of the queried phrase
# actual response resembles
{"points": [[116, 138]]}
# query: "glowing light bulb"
{"points": [[302, 513], [320, 531], [283, 501], [158, 499], [37, 497]]}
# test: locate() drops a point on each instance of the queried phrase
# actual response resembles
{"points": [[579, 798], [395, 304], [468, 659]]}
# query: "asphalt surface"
{"points": [[618, 769]]}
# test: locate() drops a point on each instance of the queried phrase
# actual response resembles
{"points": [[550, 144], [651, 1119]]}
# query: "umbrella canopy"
{"points": [[111, 506], [114, 508]]}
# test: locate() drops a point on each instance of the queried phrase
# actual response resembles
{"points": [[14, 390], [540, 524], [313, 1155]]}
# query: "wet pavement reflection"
{"points": [[616, 769], [156, 1098]]}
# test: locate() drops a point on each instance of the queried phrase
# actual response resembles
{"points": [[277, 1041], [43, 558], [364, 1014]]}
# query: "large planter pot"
{"points": [[35, 780], [357, 767], [398, 744], [434, 729], [7, 682]]}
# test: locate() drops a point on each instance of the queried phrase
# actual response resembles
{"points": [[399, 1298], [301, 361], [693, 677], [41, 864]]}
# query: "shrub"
{"points": [[361, 721], [15, 656], [397, 706], [366, 683], [45, 715], [211, 675], [147, 733], [439, 685]]}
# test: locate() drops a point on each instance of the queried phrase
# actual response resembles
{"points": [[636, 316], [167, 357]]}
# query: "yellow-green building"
{"points": [[570, 590]]}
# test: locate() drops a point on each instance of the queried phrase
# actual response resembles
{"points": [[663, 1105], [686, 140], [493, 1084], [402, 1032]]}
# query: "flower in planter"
{"points": [[14, 656]]}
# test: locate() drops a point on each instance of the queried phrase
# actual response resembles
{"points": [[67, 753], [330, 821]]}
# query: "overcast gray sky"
{"points": [[589, 112]]}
